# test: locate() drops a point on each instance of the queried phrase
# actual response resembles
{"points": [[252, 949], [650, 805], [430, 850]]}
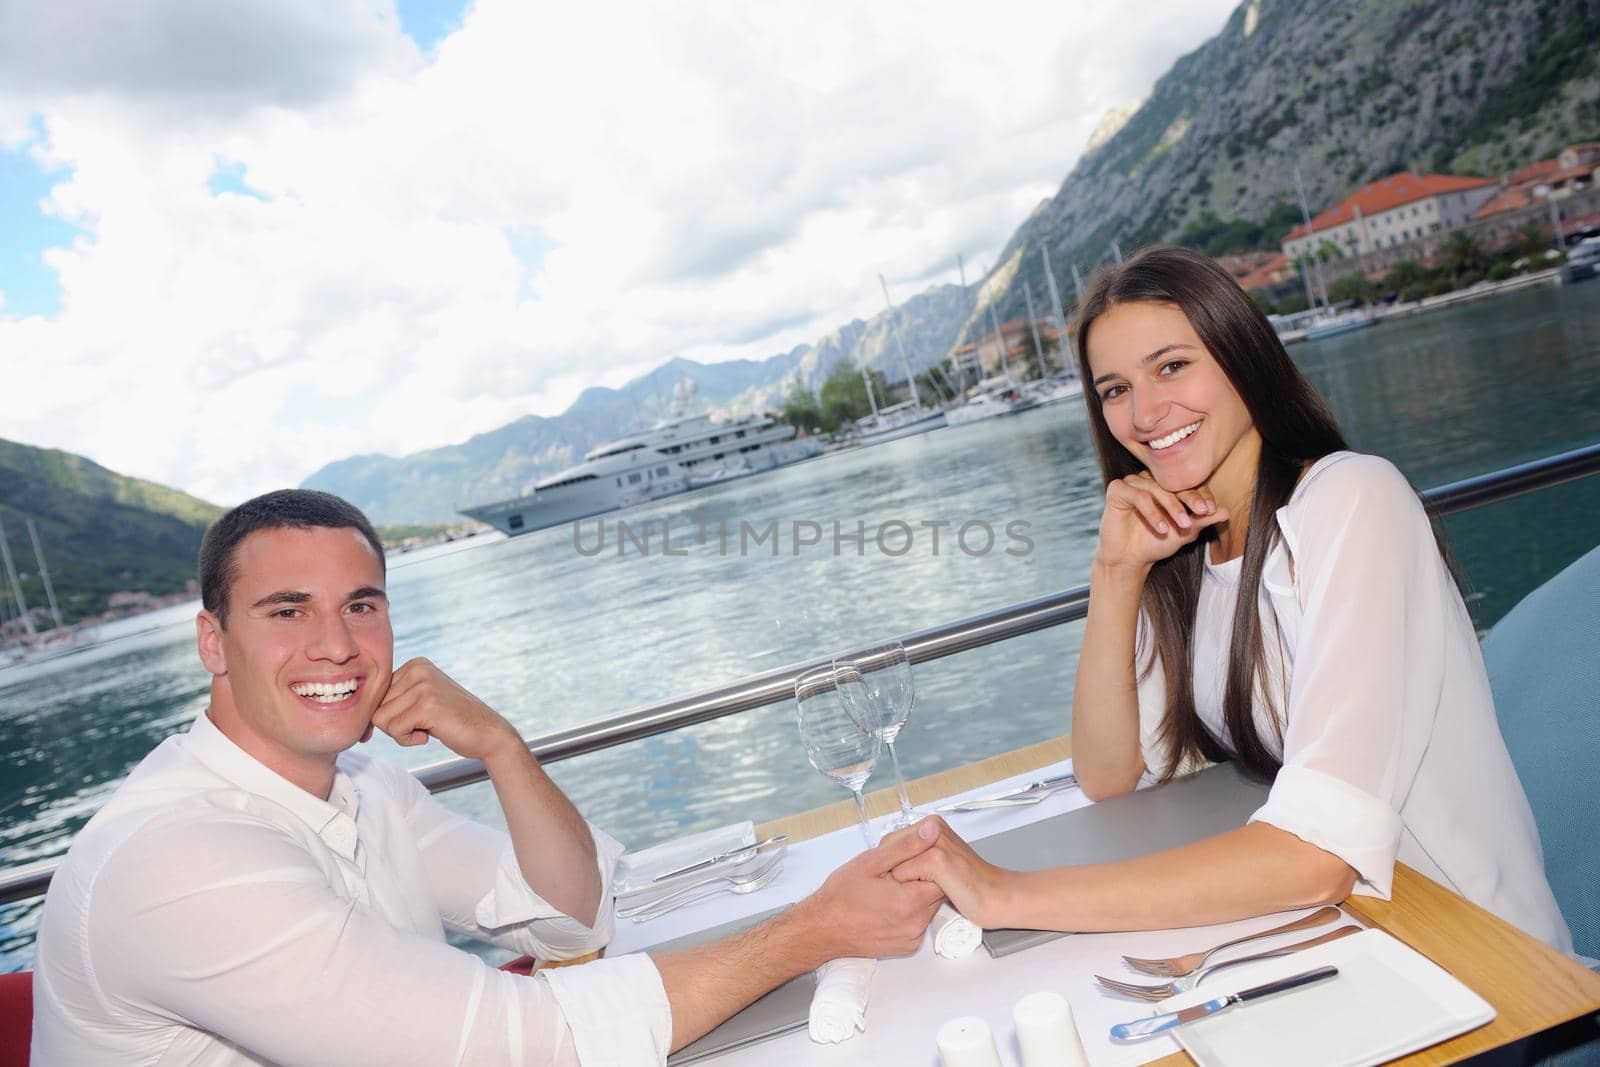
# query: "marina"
{"points": [[522, 541], [495, 614]]}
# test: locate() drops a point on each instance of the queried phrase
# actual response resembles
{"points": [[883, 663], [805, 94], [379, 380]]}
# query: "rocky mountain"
{"points": [[428, 486], [101, 531], [1348, 92]]}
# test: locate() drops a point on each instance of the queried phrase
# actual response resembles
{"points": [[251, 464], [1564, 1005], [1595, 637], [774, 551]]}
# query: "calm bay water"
{"points": [[553, 633]]}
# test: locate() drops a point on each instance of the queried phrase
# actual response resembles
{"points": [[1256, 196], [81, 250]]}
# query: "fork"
{"points": [[1032, 793], [1178, 966], [741, 884], [1188, 982]]}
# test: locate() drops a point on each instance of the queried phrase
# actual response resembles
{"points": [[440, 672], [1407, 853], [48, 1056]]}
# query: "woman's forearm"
{"points": [[1255, 870], [1105, 700]]}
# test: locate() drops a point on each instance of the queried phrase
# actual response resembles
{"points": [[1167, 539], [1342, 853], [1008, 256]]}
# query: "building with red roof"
{"points": [[1569, 173], [1257, 271], [1391, 211]]}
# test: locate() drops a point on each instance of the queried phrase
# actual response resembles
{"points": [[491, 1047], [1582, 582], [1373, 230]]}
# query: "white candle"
{"points": [[967, 1042], [1046, 1032]]}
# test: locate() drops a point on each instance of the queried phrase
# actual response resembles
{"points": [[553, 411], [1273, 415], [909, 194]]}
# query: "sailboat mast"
{"points": [[44, 573], [894, 328], [1000, 338], [1033, 322], [961, 269], [872, 400], [1311, 233], [1057, 312], [16, 586]]}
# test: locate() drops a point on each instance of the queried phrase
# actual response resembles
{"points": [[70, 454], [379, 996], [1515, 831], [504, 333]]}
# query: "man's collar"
{"points": [[220, 754]]}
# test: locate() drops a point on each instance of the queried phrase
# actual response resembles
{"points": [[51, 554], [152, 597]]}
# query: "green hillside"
{"points": [[101, 531]]}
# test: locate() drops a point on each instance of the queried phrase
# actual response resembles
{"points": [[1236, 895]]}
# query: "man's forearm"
{"points": [[708, 984], [553, 845]]}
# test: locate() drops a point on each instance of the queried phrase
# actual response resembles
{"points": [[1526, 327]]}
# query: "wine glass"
{"points": [[877, 691], [834, 742]]}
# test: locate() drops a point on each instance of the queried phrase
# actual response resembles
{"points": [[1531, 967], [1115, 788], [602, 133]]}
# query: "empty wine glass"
{"points": [[877, 691], [834, 742]]}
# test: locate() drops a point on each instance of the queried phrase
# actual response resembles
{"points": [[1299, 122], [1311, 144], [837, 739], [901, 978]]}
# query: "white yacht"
{"points": [[673, 457], [1056, 389], [996, 396], [896, 421]]}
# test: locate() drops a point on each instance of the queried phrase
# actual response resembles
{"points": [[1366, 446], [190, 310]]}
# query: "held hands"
{"points": [[1144, 523], [423, 701], [864, 911], [975, 887]]}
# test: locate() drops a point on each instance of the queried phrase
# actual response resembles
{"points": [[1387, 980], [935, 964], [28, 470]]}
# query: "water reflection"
{"points": [[553, 638]]}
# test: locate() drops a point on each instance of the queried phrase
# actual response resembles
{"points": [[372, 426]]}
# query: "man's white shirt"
{"points": [[213, 913]]}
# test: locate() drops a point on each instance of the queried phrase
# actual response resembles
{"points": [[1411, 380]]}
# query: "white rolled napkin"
{"points": [[954, 935], [839, 1006]]}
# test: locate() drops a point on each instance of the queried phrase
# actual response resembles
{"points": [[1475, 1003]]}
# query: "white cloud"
{"points": [[710, 182]]}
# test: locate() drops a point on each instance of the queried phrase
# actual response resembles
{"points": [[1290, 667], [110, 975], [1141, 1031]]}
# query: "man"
{"points": [[256, 893]]}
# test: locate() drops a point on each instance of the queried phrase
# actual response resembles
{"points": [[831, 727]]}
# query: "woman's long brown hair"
{"points": [[1296, 429]]}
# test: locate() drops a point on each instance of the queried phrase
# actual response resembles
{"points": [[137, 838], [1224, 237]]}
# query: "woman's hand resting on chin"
{"points": [[1144, 524]]}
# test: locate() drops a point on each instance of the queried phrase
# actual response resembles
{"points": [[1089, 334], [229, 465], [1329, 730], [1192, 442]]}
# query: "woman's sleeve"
{"points": [[1368, 659]]}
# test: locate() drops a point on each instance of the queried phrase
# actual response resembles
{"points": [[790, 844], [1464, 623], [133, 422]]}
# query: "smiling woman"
{"points": [[1261, 594]]}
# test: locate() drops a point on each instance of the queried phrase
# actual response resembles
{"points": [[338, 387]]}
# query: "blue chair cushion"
{"points": [[1544, 668]]}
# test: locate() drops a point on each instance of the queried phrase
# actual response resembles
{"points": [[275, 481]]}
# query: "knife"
{"points": [[776, 839], [1157, 1023]]}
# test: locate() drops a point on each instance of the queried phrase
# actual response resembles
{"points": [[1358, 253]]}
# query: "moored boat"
{"points": [[996, 396], [673, 457]]}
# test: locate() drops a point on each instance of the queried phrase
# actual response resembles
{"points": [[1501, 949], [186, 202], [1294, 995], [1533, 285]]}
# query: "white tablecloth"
{"points": [[911, 997]]}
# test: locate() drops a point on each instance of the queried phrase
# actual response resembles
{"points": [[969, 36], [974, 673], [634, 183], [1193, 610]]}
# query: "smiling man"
{"points": [[255, 893]]}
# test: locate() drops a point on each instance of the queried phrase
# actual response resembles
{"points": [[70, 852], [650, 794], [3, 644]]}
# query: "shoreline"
{"points": [[1481, 291]]}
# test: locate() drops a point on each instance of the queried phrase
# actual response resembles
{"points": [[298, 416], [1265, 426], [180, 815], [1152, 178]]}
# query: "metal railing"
{"points": [[975, 631]]}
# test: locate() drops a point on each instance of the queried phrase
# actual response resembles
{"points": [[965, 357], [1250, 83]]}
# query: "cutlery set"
{"points": [[751, 874], [1184, 973]]}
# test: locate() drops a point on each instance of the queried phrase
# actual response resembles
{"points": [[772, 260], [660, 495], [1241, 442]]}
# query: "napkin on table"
{"points": [[839, 1006], [954, 935]]}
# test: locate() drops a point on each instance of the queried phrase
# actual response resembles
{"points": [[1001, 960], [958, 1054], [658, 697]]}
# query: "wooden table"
{"points": [[1532, 986]]}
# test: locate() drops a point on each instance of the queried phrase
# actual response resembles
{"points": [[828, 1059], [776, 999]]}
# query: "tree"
{"points": [[844, 395], [1463, 256], [1532, 238], [1352, 287], [800, 408], [1405, 274]]}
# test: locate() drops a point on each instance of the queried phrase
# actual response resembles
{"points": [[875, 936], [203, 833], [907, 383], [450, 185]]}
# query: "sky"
{"points": [[240, 239]]}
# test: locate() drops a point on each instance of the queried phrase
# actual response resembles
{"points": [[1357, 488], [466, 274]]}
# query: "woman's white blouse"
{"points": [[1380, 705]]}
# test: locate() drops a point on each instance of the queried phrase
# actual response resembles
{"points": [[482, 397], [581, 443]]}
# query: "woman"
{"points": [[1260, 593]]}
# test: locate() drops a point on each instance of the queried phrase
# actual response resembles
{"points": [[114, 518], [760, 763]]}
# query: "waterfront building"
{"points": [[1267, 273], [1390, 212], [1565, 179], [982, 357]]}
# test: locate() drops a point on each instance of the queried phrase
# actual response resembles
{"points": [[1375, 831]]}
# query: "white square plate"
{"points": [[1388, 1000]]}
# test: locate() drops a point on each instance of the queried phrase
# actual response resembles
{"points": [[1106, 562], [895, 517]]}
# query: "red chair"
{"points": [[16, 1018]]}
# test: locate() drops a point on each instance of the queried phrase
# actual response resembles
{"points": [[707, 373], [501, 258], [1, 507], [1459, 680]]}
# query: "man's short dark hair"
{"points": [[299, 509]]}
